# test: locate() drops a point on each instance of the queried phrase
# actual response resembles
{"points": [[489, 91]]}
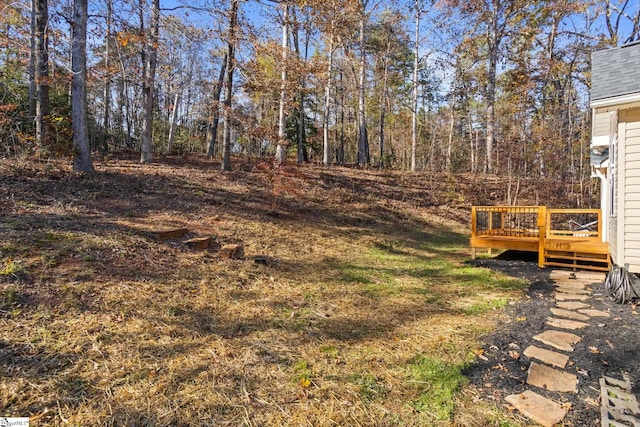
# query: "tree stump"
{"points": [[233, 251], [168, 233], [198, 243]]}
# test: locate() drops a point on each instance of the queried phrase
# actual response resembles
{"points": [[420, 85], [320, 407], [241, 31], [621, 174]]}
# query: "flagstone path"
{"points": [[546, 370]]}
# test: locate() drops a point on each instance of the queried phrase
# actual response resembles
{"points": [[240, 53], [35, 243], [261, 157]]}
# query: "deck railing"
{"points": [[508, 221], [574, 223], [526, 221], [534, 228]]}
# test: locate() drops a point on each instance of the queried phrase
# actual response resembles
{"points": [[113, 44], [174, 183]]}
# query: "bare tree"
{"points": [[414, 83], [107, 62], [82, 160], [281, 149], [363, 138], [212, 131], [228, 93], [148, 82], [41, 12]]}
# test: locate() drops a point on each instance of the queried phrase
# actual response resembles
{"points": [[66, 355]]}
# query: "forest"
{"points": [[498, 86], [337, 147]]}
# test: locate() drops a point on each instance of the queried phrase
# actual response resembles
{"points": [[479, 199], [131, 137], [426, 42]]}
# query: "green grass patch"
{"points": [[303, 373], [437, 382], [9, 297], [329, 350], [484, 306], [12, 271], [371, 388]]}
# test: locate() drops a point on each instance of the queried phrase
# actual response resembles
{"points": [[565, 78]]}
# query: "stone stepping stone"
{"points": [[571, 297], [591, 276], [572, 305], [563, 341], [560, 289], [549, 357], [560, 274], [572, 325], [544, 411], [569, 314], [552, 379], [594, 313], [571, 285]]}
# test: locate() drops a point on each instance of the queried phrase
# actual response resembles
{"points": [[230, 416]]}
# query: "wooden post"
{"points": [[542, 234], [474, 218]]}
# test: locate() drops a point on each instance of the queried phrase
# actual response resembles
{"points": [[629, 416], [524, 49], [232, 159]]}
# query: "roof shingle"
{"points": [[615, 72]]}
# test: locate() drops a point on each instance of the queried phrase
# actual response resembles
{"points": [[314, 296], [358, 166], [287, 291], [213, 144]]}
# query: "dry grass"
{"points": [[365, 280]]}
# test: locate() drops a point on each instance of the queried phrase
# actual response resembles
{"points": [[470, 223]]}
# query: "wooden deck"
{"points": [[561, 237]]}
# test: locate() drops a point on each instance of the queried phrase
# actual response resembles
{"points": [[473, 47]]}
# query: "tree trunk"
{"points": [[363, 139], [82, 160], [341, 157], [281, 149], [383, 107], [327, 106], [302, 132], [494, 38], [148, 85], [41, 20], [173, 124], [212, 134], [226, 143], [32, 62], [414, 103], [490, 112], [107, 61]]}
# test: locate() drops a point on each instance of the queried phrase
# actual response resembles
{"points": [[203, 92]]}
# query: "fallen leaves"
{"points": [[479, 353], [305, 382]]}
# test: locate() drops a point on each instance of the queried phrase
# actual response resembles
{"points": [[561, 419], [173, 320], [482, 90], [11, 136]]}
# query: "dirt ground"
{"points": [[610, 346]]}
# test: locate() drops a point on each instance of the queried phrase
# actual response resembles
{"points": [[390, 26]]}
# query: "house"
{"points": [[615, 149]]}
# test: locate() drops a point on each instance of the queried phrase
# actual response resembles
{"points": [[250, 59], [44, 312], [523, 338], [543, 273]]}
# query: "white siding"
{"points": [[630, 186], [601, 123], [616, 129]]}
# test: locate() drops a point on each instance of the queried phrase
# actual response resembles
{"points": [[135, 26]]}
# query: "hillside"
{"points": [[352, 299]]}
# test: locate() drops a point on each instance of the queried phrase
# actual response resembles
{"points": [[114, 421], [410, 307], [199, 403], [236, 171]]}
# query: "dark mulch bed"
{"points": [[609, 346]]}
